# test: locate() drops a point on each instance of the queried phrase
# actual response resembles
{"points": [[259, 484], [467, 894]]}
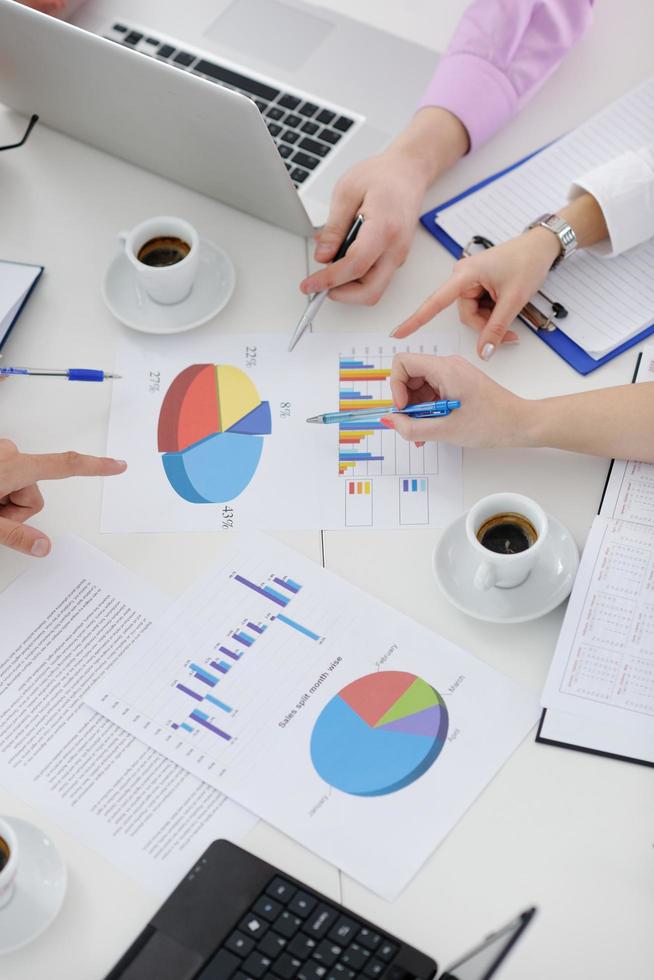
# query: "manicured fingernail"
{"points": [[487, 352], [510, 343], [40, 548], [389, 423], [394, 330], [419, 445], [122, 463]]}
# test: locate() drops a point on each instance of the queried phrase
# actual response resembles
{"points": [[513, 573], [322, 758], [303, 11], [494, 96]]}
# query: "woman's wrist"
{"points": [[432, 142], [544, 244]]}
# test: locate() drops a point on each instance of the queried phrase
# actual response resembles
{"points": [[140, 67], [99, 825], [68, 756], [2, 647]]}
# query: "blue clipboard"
{"points": [[558, 341]]}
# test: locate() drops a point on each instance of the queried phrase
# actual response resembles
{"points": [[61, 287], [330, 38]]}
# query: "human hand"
{"points": [[388, 192], [491, 288], [20, 497], [489, 416]]}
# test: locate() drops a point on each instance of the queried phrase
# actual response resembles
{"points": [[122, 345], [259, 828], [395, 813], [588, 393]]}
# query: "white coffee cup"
{"points": [[164, 284], [505, 570], [8, 872]]}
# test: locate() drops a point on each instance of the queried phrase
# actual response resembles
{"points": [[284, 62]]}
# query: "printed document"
{"points": [[348, 726], [214, 430], [66, 621]]}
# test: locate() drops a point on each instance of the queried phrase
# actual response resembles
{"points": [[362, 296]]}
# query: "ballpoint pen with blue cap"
{"points": [[423, 410]]}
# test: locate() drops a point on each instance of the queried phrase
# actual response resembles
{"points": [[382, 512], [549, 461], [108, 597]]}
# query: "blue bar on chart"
{"points": [[187, 690], [230, 653], [243, 638], [257, 628], [266, 591], [187, 728], [414, 501], [357, 426], [201, 719], [174, 726], [298, 627], [345, 363], [221, 666], [357, 457], [287, 583], [203, 675], [219, 704]]}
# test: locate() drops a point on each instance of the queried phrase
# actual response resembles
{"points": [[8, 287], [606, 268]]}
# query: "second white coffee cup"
{"points": [[170, 283], [505, 571]]}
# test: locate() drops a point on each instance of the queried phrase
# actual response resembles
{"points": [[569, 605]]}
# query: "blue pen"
{"points": [[72, 374], [425, 410]]}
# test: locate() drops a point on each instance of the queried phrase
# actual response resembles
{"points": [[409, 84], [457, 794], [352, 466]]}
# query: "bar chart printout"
{"points": [[371, 449], [205, 711], [382, 473], [340, 712]]}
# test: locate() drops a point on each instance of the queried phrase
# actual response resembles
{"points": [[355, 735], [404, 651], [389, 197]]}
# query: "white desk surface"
{"points": [[566, 831]]}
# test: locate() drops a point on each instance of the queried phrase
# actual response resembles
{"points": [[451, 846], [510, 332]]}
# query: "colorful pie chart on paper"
{"points": [[379, 734], [211, 428]]}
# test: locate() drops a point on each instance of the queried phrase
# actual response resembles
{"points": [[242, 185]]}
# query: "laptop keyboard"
{"points": [[291, 934], [305, 131]]}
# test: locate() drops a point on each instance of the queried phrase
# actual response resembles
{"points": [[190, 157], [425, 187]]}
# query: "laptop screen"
{"points": [[481, 962]]}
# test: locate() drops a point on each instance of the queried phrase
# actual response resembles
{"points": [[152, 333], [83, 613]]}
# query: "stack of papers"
{"points": [[599, 694]]}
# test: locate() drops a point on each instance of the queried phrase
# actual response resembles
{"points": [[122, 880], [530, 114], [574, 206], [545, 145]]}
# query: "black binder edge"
{"points": [[31, 265], [570, 745]]}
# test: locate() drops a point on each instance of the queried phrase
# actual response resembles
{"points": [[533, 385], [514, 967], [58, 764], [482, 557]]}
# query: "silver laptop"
{"points": [[261, 104]]}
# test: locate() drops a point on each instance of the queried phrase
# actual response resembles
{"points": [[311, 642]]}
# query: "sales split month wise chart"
{"points": [[370, 450]]}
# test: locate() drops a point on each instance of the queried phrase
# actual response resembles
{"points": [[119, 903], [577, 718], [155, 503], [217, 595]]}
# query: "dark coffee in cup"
{"points": [[163, 250], [4, 852], [507, 534]]}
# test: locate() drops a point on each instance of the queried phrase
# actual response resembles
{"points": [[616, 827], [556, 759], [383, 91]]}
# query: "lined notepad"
{"points": [[599, 693], [609, 300], [16, 281]]}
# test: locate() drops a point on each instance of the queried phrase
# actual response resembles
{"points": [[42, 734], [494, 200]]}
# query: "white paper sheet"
{"points": [[307, 476], [603, 666], [240, 680], [609, 300], [630, 489], [66, 621]]}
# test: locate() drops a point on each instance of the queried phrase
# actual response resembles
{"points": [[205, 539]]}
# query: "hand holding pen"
{"points": [[489, 415], [317, 299]]}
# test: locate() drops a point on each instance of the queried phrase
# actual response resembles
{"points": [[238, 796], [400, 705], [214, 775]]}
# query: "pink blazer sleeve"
{"points": [[501, 53]]}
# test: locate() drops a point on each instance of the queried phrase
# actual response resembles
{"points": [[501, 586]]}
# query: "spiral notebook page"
{"points": [[609, 300]]}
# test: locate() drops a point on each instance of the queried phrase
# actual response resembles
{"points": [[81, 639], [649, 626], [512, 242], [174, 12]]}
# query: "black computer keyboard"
{"points": [[291, 934], [236, 917], [304, 131]]}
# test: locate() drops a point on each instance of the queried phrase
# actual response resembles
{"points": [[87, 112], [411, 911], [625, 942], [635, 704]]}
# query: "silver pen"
{"points": [[316, 301]]}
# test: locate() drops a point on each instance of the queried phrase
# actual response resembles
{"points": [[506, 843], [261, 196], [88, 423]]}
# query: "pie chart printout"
{"points": [[211, 428], [379, 734]]}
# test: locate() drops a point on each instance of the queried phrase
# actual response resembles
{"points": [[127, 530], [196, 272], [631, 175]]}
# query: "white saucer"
{"points": [[549, 583], [130, 303], [38, 891]]}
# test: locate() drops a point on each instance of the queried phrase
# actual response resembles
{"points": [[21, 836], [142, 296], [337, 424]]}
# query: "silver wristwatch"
{"points": [[563, 232]]}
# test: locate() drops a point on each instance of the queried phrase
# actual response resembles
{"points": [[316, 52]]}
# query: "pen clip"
{"points": [[529, 314]]}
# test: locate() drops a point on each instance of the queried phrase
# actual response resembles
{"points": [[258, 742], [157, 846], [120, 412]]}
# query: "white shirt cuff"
{"points": [[624, 189]]}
